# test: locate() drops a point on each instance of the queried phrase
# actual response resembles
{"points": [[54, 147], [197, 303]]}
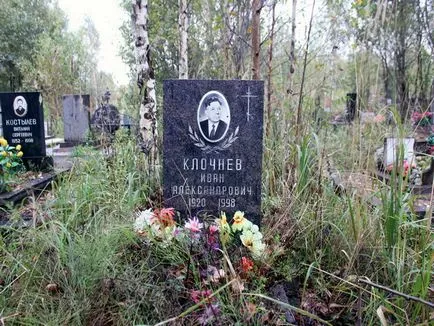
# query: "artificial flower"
{"points": [[193, 225], [222, 222], [165, 217], [253, 242], [213, 237], [18, 147], [214, 274], [198, 295], [213, 229], [3, 142], [240, 222], [20, 154], [143, 220], [224, 228], [4, 153], [211, 312], [246, 264]]}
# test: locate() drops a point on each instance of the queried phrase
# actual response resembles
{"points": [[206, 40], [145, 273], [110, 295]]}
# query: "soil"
{"points": [[22, 180]]}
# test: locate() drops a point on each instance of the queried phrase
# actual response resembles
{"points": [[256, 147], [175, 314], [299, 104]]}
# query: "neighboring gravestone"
{"points": [[212, 147], [106, 119], [76, 118], [391, 149], [350, 110], [23, 122]]}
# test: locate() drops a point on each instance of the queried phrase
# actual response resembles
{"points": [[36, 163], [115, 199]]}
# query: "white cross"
{"points": [[248, 95]]}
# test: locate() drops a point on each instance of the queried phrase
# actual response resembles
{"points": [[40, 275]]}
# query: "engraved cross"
{"points": [[249, 96]]}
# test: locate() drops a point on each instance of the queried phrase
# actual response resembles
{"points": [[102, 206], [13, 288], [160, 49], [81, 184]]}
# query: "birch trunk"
{"points": [[256, 37], [145, 78], [183, 38]]}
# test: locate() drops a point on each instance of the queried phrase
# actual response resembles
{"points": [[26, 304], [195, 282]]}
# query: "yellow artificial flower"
{"points": [[20, 154], [4, 153], [3, 142], [222, 222], [224, 228], [18, 147], [253, 242], [240, 222], [8, 164]]}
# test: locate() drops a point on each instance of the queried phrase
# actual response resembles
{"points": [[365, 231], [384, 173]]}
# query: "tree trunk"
{"points": [[256, 38], [145, 78], [292, 48], [183, 38], [300, 100], [270, 68], [400, 60], [431, 103]]}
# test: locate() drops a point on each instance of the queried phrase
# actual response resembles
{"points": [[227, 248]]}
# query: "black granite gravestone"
{"points": [[23, 122], [212, 147]]}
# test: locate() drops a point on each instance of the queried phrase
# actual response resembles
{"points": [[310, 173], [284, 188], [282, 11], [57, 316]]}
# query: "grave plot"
{"points": [[25, 169], [417, 168]]}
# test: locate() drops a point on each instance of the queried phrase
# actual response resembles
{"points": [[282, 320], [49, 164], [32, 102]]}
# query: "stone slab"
{"points": [[205, 173], [76, 118], [23, 122]]}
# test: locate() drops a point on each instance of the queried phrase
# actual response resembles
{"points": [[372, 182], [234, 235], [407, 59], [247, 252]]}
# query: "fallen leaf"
{"points": [[52, 287], [251, 310]]}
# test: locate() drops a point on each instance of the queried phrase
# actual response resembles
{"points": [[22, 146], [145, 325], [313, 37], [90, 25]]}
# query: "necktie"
{"points": [[212, 132]]}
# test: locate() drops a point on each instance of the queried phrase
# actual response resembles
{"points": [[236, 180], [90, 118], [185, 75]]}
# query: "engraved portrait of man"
{"points": [[213, 116], [20, 106]]}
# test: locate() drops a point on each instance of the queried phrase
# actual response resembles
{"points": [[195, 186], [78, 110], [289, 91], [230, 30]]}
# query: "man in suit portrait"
{"points": [[213, 128], [20, 107]]}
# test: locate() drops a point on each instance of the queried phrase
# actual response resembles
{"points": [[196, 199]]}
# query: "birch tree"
{"points": [[183, 39], [145, 78]]}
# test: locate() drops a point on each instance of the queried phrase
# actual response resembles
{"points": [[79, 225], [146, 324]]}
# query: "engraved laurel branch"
{"points": [[210, 149]]}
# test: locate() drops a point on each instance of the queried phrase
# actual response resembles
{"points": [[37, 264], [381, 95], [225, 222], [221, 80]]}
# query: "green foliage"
{"points": [[23, 22], [39, 54], [10, 163]]}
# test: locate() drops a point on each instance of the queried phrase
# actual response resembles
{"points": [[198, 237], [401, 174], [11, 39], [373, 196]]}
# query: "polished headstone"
{"points": [[211, 167], [23, 122]]}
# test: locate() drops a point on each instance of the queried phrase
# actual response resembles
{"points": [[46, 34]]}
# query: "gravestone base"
{"points": [[71, 144]]}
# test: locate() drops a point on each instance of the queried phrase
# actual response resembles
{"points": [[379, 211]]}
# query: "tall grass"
{"points": [[332, 239], [83, 265]]}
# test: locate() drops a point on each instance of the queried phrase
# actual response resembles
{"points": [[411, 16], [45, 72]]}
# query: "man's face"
{"points": [[20, 103], [213, 111]]}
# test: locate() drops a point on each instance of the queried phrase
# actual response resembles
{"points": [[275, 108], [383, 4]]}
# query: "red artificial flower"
{"points": [[165, 216], [246, 264]]}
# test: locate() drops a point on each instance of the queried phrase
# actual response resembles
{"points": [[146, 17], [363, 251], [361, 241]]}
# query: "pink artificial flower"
{"points": [[213, 229], [193, 225], [197, 295]]}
